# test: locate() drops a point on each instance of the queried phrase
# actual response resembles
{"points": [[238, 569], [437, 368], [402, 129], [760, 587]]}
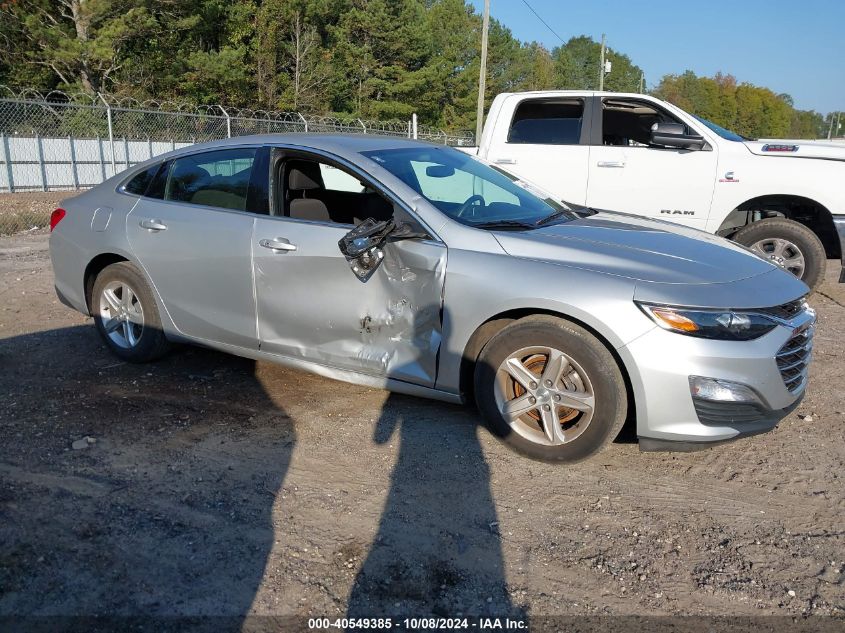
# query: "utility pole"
{"points": [[482, 75], [601, 67], [830, 131], [642, 82]]}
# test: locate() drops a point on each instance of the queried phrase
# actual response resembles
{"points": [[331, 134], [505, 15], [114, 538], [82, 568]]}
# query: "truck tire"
{"points": [[790, 245], [550, 389]]}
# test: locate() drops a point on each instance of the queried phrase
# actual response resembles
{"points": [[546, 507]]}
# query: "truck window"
{"points": [[547, 122], [628, 122]]}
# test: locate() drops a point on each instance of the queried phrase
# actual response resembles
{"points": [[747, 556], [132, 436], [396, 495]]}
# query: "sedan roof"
{"points": [[335, 143]]}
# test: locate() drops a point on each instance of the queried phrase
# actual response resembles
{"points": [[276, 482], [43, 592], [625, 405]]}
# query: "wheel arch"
{"points": [[493, 325], [806, 211], [94, 268]]}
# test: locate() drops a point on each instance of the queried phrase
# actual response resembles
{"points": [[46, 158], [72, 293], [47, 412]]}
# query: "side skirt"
{"points": [[335, 373]]}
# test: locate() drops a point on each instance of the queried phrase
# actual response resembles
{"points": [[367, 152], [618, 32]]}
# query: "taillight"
{"points": [[56, 217]]}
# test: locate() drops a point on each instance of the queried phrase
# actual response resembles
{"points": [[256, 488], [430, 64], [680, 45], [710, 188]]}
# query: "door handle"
{"points": [[278, 244], [505, 161], [611, 163], [152, 225]]}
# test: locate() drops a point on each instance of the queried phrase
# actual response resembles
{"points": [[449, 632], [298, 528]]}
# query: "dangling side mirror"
{"points": [[363, 246]]}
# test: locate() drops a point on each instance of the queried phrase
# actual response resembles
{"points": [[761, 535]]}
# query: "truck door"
{"points": [[629, 174], [545, 141]]}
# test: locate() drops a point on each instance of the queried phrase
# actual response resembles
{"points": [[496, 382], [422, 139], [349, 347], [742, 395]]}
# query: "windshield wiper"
{"points": [[551, 217], [514, 225]]}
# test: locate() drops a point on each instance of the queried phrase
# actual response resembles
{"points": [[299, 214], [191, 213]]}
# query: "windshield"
{"points": [[469, 190], [718, 129]]}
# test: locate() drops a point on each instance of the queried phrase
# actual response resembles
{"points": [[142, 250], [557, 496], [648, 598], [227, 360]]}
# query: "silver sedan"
{"points": [[420, 269]]}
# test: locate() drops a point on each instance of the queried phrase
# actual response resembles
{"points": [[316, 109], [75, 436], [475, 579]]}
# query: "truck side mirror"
{"points": [[675, 135]]}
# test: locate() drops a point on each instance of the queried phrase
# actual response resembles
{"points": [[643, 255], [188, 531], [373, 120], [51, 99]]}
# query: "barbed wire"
{"points": [[58, 141], [309, 122]]}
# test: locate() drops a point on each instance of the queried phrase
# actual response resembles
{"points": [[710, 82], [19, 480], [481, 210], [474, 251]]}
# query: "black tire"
{"points": [[586, 351], [807, 242], [151, 342]]}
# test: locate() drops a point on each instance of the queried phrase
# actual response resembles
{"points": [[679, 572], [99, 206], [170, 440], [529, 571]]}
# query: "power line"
{"points": [[546, 24]]}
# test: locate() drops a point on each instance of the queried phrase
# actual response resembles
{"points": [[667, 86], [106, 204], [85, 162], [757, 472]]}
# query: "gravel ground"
{"points": [[213, 485]]}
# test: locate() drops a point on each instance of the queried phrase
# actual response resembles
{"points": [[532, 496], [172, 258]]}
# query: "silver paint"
{"points": [[407, 327]]}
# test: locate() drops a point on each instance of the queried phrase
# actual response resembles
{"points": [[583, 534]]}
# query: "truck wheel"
{"points": [[550, 390], [790, 245], [126, 316]]}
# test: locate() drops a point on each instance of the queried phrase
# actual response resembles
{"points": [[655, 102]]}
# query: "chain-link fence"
{"points": [[64, 142]]}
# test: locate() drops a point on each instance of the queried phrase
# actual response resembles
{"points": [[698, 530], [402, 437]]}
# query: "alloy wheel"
{"points": [[544, 395], [122, 314]]}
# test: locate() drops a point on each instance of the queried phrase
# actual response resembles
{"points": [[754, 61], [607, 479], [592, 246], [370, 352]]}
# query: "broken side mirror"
{"points": [[407, 231], [363, 246]]}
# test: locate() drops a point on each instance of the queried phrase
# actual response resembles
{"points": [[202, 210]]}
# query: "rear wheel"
{"points": [[126, 315], [550, 389], [790, 245]]}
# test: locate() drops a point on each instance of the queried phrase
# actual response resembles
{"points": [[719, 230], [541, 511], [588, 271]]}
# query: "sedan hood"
{"points": [[797, 149], [636, 248]]}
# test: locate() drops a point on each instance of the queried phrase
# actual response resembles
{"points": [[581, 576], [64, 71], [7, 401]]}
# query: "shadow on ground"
{"points": [[170, 509]]}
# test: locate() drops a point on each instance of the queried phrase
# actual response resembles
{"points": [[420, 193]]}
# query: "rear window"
{"points": [[547, 122], [139, 183], [213, 179]]}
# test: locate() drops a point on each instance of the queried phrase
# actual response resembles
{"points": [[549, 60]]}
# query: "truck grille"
{"points": [[793, 359]]}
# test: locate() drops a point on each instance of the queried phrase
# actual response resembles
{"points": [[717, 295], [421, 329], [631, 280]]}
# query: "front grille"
{"points": [[793, 359], [785, 311]]}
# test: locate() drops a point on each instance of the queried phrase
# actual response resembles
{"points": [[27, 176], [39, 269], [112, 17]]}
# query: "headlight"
{"points": [[729, 325]]}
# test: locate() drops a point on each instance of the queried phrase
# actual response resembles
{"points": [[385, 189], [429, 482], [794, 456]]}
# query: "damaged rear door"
{"points": [[313, 307]]}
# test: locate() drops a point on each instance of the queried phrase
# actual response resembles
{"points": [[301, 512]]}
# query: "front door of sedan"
{"points": [[312, 307], [192, 234]]}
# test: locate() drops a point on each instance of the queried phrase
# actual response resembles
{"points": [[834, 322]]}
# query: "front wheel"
{"points": [[550, 389], [790, 245]]}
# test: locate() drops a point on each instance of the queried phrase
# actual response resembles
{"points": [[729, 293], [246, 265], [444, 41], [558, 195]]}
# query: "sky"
{"points": [[791, 46]]}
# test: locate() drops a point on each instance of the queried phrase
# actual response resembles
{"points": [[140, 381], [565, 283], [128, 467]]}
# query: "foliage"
{"points": [[366, 58], [746, 109]]}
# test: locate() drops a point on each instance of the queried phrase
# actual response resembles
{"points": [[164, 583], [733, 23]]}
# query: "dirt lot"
{"points": [[29, 211], [218, 486]]}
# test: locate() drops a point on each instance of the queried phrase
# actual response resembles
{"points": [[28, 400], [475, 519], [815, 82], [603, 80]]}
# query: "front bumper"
{"points": [[661, 362], [839, 223]]}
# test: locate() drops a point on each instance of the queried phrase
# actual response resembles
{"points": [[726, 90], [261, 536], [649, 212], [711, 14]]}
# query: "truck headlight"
{"points": [[726, 325]]}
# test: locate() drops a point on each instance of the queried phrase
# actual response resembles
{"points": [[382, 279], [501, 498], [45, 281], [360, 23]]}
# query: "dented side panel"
{"points": [[311, 306]]}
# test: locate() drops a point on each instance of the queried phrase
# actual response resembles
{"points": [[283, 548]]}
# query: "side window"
{"points": [[547, 122], [441, 183], [338, 180], [628, 122], [318, 191], [139, 183], [216, 179]]}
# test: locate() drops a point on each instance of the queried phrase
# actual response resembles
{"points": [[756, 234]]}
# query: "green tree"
{"points": [[81, 42], [540, 68], [380, 50], [367, 58], [577, 67]]}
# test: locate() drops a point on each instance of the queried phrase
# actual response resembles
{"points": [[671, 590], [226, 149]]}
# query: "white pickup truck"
{"points": [[638, 154]]}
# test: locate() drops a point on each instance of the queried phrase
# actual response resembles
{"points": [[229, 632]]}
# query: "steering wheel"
{"points": [[468, 203]]}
